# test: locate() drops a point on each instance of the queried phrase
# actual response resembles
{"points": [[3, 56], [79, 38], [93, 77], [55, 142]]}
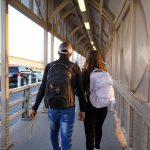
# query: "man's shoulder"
{"points": [[50, 64], [53, 62]]}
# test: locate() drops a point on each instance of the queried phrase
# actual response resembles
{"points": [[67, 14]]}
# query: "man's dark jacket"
{"points": [[76, 80]]}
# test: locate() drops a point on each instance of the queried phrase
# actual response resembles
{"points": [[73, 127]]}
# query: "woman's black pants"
{"points": [[93, 122]]}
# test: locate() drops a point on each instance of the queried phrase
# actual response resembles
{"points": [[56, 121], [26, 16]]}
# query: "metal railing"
{"points": [[24, 101], [134, 117]]}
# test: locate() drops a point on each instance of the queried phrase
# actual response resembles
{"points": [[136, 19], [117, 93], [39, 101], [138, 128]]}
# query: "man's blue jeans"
{"points": [[62, 119]]}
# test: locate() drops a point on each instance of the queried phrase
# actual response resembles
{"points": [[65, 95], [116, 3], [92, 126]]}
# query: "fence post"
{"points": [[36, 78], [29, 79], [19, 81], [25, 105], [4, 114]]}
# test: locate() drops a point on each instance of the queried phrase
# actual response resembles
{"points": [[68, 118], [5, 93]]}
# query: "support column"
{"points": [[133, 10], [4, 128], [45, 48], [45, 59], [52, 47], [52, 36]]}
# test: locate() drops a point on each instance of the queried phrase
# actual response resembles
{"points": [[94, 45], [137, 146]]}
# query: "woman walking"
{"points": [[94, 117]]}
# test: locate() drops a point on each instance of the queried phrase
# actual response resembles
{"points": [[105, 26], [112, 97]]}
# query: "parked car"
{"points": [[39, 74], [23, 72]]}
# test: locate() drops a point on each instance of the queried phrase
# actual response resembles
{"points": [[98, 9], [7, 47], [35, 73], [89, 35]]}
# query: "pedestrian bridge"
{"points": [[120, 29]]}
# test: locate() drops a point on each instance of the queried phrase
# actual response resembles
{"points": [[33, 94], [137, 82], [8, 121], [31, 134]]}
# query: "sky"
{"points": [[26, 38]]}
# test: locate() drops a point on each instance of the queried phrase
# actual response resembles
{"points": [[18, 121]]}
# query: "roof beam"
{"points": [[97, 26], [108, 13], [86, 42], [97, 41], [65, 15], [101, 21], [82, 23], [78, 41], [104, 33], [74, 31], [105, 10], [86, 48], [108, 16], [97, 8], [38, 3], [90, 31], [89, 47], [82, 37], [58, 9], [103, 42]]}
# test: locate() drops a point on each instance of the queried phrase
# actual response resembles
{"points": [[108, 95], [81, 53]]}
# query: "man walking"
{"points": [[60, 79]]}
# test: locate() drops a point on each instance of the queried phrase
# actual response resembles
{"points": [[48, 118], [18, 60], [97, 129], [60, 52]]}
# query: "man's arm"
{"points": [[41, 90]]}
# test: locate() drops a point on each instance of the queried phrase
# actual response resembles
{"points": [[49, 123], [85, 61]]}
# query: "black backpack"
{"points": [[59, 90]]}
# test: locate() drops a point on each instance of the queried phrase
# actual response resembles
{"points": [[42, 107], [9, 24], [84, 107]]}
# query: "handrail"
{"points": [[16, 114], [20, 89], [136, 102], [18, 101], [23, 100]]}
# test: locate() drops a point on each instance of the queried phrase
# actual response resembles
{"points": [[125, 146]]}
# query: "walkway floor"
{"points": [[20, 134]]}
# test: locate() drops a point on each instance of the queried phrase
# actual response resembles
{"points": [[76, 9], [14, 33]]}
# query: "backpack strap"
{"points": [[68, 66], [59, 64], [97, 70]]}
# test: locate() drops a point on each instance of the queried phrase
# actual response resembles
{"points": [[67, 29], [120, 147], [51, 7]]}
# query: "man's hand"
{"points": [[32, 114], [81, 116]]}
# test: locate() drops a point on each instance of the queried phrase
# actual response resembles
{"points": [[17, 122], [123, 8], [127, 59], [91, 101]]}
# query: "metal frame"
{"points": [[126, 95], [101, 22], [65, 15], [74, 31], [56, 11], [138, 104], [108, 16], [5, 135], [24, 111], [45, 48]]}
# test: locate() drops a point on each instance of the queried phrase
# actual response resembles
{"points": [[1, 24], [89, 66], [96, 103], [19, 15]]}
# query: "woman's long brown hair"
{"points": [[94, 60]]}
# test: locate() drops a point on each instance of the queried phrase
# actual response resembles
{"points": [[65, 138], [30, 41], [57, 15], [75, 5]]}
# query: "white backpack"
{"points": [[101, 89]]}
